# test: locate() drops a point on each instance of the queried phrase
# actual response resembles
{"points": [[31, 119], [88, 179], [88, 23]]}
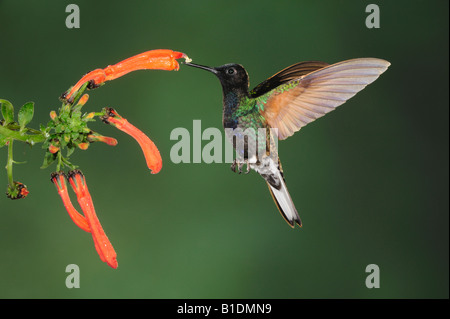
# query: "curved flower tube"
{"points": [[151, 152], [59, 179], [154, 59], [102, 244]]}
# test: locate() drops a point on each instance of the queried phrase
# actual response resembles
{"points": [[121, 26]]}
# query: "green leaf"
{"points": [[68, 164], [25, 115], [59, 128], [48, 159], [70, 151], [7, 111]]}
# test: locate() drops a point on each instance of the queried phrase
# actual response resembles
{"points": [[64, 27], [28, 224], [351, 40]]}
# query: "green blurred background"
{"points": [[370, 180]]}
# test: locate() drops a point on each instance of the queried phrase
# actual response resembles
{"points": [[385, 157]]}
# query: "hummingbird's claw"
{"points": [[233, 166], [237, 166]]}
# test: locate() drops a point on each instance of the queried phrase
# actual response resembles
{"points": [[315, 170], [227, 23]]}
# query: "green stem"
{"points": [[58, 165], [15, 127], [79, 93], [9, 164], [30, 139], [67, 163]]}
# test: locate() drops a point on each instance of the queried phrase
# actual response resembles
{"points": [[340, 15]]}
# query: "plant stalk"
{"points": [[9, 165], [30, 139]]}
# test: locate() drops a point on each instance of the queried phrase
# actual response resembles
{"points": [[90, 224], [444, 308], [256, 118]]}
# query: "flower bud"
{"points": [[83, 146], [53, 115]]}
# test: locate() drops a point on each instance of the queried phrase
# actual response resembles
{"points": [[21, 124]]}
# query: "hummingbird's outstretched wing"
{"points": [[299, 101], [288, 74]]}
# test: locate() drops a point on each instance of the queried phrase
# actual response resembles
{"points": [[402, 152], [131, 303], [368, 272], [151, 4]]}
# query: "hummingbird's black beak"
{"points": [[207, 68]]}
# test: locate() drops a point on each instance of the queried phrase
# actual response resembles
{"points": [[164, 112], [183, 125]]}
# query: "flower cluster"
{"points": [[89, 222], [68, 130]]}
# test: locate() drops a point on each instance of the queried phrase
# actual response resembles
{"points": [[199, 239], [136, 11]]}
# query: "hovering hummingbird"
{"points": [[287, 101]]}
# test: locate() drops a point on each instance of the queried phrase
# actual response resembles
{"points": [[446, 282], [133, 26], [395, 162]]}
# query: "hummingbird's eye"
{"points": [[231, 71]]}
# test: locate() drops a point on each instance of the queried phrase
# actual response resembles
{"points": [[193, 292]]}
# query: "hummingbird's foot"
{"points": [[248, 167], [239, 166], [233, 166]]}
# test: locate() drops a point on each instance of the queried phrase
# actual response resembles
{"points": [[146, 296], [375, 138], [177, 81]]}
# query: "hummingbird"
{"points": [[283, 104]]}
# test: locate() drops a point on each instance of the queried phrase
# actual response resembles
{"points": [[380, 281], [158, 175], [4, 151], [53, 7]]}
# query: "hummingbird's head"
{"points": [[232, 76]]}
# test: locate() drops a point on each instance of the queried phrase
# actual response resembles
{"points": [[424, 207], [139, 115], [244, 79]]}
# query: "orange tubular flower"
{"points": [[100, 138], [102, 244], [154, 59], [59, 179], [151, 153]]}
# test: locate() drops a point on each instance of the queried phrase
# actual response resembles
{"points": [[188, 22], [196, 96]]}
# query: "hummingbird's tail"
{"points": [[271, 171], [284, 202]]}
